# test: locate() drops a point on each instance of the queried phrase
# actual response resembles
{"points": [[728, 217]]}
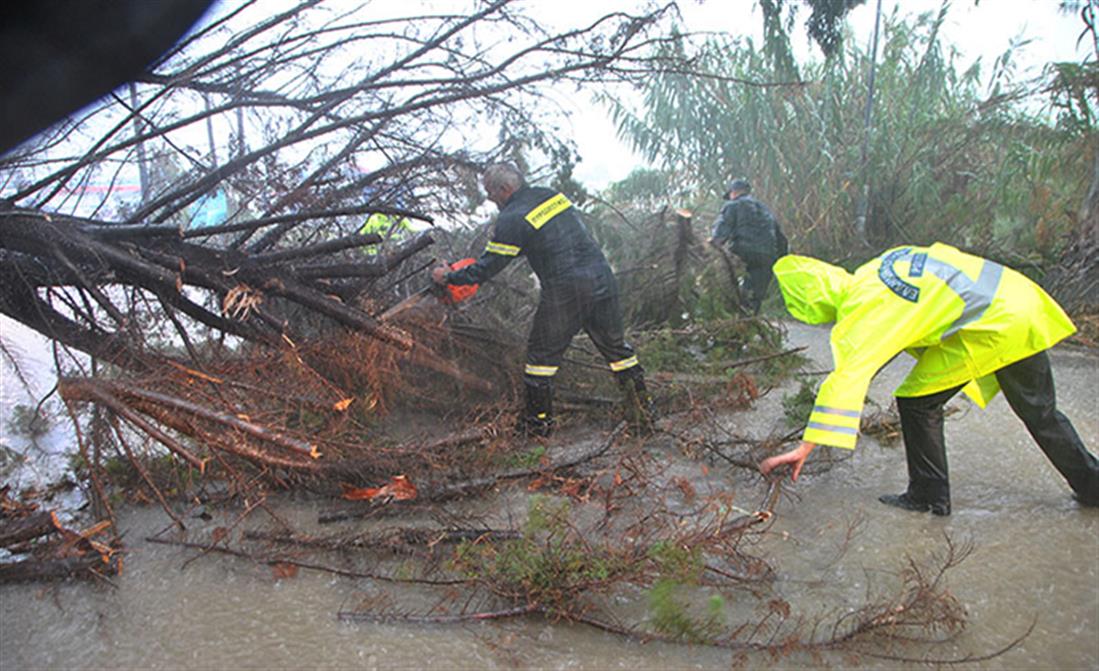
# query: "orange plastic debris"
{"points": [[340, 406], [282, 570], [399, 487]]}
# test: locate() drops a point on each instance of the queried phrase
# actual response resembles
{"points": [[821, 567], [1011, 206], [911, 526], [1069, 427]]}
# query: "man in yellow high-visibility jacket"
{"points": [[386, 226], [972, 324]]}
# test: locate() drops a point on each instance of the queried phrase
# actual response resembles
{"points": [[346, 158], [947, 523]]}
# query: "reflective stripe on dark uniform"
{"points": [[578, 287]]}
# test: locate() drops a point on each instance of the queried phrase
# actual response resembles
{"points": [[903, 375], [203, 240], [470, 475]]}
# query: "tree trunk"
{"points": [[55, 569], [1089, 213], [27, 528]]}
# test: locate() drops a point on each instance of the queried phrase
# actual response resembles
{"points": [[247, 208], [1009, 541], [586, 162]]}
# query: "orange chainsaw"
{"points": [[451, 294]]}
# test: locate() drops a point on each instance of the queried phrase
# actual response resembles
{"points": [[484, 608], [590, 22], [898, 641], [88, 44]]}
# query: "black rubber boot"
{"points": [[1028, 388], [906, 502], [640, 410], [925, 451], [538, 417]]}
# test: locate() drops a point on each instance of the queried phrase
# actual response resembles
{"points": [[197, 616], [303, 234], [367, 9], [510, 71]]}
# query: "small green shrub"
{"points": [[550, 564], [526, 459]]}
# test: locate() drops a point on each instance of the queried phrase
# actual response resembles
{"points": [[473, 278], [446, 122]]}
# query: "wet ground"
{"points": [[1035, 560]]}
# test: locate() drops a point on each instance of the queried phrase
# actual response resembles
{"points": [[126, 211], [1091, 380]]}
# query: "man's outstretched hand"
{"points": [[439, 273], [795, 457]]}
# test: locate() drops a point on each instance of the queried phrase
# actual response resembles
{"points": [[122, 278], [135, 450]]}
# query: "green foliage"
{"points": [[708, 347], [554, 565], [1074, 92], [798, 406], [543, 514], [77, 465], [715, 607], [683, 563], [557, 568], [947, 159], [564, 181], [671, 615], [545, 570], [716, 301], [550, 564], [640, 184], [665, 351], [825, 24], [526, 459], [170, 475], [730, 361]]}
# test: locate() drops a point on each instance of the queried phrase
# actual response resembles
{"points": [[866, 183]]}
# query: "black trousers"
{"points": [[757, 278], [588, 302], [1028, 387]]}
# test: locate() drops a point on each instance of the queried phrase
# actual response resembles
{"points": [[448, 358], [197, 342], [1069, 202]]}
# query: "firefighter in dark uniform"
{"points": [[751, 231], [578, 290]]}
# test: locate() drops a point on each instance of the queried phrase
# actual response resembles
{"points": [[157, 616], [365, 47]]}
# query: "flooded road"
{"points": [[1036, 551], [1035, 560]]}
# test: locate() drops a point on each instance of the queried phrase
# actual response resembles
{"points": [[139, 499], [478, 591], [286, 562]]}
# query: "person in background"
{"points": [[578, 291], [751, 231], [387, 226], [973, 325]]}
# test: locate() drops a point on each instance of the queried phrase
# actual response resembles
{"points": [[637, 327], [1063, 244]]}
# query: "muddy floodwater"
{"points": [[1035, 562]]}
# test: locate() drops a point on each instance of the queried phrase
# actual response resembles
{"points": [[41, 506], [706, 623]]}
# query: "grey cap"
{"points": [[739, 184]]}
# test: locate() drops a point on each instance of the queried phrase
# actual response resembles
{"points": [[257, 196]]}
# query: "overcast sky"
{"points": [[983, 30]]}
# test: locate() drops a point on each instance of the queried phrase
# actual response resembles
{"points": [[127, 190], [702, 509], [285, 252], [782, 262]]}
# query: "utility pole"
{"points": [[867, 123]]}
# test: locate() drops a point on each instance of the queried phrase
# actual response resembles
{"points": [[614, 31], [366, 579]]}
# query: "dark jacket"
{"points": [[750, 228], [542, 225]]}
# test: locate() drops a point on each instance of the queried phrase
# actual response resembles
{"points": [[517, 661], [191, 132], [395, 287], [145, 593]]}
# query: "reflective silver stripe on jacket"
{"points": [[976, 295], [837, 411], [849, 430]]}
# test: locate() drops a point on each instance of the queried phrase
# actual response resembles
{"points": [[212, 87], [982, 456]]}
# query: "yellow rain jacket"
{"points": [[380, 223], [961, 316]]}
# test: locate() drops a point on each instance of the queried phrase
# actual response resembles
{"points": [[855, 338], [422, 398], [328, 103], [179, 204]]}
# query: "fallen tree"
{"points": [[50, 550]]}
